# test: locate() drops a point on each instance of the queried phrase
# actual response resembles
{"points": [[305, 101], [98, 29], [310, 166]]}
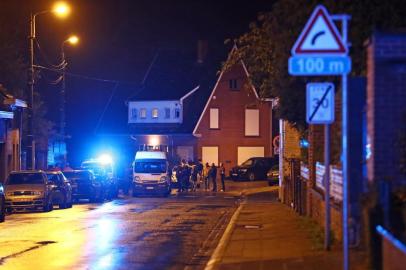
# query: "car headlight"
{"points": [[137, 179], [1, 189], [243, 170], [163, 179]]}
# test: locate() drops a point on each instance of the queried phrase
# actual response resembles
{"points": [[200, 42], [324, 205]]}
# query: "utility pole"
{"points": [[31, 81]]}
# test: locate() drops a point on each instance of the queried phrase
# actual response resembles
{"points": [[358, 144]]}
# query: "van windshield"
{"points": [[150, 166], [25, 179]]}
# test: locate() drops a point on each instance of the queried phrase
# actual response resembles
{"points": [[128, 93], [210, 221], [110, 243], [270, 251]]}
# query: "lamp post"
{"points": [[61, 10], [73, 40]]}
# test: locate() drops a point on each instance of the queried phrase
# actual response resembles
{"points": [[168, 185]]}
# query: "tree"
{"points": [[265, 48]]}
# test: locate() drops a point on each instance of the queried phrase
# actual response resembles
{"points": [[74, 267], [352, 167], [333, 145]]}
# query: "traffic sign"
{"points": [[320, 103], [319, 36], [319, 65]]}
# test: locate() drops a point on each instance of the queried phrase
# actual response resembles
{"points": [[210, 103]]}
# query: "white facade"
{"points": [[158, 111]]}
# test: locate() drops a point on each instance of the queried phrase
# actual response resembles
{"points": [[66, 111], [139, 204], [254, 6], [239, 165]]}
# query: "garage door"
{"points": [[210, 154], [245, 153]]}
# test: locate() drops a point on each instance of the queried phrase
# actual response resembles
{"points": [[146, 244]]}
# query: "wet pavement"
{"points": [[177, 232]]}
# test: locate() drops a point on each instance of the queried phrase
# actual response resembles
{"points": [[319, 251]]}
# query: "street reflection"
{"points": [[105, 235]]}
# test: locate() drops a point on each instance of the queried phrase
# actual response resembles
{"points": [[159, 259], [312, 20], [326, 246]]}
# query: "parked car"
{"points": [[253, 168], [85, 185], [29, 190], [273, 175], [62, 189], [2, 204]]}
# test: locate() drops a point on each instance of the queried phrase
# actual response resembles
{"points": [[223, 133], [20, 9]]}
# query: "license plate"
{"points": [[150, 187], [21, 200]]}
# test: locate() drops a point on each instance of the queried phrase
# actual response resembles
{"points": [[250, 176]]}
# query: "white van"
{"points": [[150, 173]]}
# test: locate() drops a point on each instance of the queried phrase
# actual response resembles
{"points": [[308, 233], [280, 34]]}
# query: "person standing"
{"points": [[206, 170], [213, 176], [199, 167], [179, 177], [222, 176]]}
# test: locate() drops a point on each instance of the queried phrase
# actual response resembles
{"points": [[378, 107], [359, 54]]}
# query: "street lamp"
{"points": [[73, 40], [61, 10]]}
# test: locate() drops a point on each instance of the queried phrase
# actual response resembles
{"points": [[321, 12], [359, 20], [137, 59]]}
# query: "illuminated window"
{"points": [[134, 113], [233, 84], [177, 113], [251, 122], [167, 113], [155, 113], [214, 118], [143, 113]]}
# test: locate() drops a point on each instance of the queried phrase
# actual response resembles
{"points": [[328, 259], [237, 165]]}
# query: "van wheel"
{"points": [[251, 176]]}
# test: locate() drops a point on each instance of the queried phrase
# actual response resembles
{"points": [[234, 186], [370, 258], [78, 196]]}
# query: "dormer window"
{"points": [[143, 113], [177, 113], [134, 113], [155, 113], [233, 84], [167, 113]]}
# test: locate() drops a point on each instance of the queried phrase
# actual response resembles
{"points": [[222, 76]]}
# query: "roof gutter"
{"points": [[189, 93]]}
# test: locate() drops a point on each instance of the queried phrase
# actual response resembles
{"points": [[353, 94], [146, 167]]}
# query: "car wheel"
{"points": [[2, 210], [251, 176], [49, 206], [63, 204]]}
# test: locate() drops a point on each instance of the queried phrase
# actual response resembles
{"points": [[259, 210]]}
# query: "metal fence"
{"points": [[336, 181]]}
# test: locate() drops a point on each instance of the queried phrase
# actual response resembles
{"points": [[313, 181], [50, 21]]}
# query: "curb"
{"points": [[218, 253]]}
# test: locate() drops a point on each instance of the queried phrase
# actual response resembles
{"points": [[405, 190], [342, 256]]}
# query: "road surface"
{"points": [[177, 232]]}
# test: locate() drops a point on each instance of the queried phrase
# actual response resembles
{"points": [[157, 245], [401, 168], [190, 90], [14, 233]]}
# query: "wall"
{"points": [[386, 99]]}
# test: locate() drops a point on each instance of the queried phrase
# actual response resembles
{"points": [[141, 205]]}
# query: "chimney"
{"points": [[202, 50]]}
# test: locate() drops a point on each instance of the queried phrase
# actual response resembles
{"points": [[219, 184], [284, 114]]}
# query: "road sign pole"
{"points": [[345, 153], [327, 186]]}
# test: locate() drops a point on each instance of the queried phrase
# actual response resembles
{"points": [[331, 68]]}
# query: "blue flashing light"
{"points": [[304, 143], [105, 159]]}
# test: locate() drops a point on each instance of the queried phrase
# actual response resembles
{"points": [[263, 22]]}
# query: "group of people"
{"points": [[193, 176]]}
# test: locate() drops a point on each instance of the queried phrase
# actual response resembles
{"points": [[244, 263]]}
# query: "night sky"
{"points": [[118, 40]]}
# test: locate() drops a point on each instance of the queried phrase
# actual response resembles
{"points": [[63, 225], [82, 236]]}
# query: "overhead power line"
{"points": [[84, 76]]}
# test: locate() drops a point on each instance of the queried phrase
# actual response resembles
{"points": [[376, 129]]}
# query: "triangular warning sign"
{"points": [[319, 36]]}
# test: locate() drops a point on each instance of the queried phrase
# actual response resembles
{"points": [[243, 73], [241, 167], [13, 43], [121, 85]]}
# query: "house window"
{"points": [[233, 84], [167, 113], [143, 113], [177, 113], [134, 113], [214, 118], [251, 122], [155, 113]]}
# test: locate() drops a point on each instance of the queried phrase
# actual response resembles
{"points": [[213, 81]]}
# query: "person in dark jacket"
{"points": [[222, 176], [213, 176]]}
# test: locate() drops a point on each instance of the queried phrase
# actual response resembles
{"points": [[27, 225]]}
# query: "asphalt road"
{"points": [[177, 232]]}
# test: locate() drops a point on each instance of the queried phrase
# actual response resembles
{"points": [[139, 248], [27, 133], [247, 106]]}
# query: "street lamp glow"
{"points": [[61, 9], [73, 40]]}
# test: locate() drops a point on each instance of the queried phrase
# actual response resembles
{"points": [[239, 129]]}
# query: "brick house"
{"points": [[236, 123]]}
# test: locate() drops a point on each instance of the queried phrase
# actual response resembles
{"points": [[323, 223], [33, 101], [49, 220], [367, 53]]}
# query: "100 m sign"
{"points": [[319, 65]]}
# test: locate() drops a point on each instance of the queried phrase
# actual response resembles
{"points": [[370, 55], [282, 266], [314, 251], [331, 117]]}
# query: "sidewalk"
{"points": [[265, 234]]}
